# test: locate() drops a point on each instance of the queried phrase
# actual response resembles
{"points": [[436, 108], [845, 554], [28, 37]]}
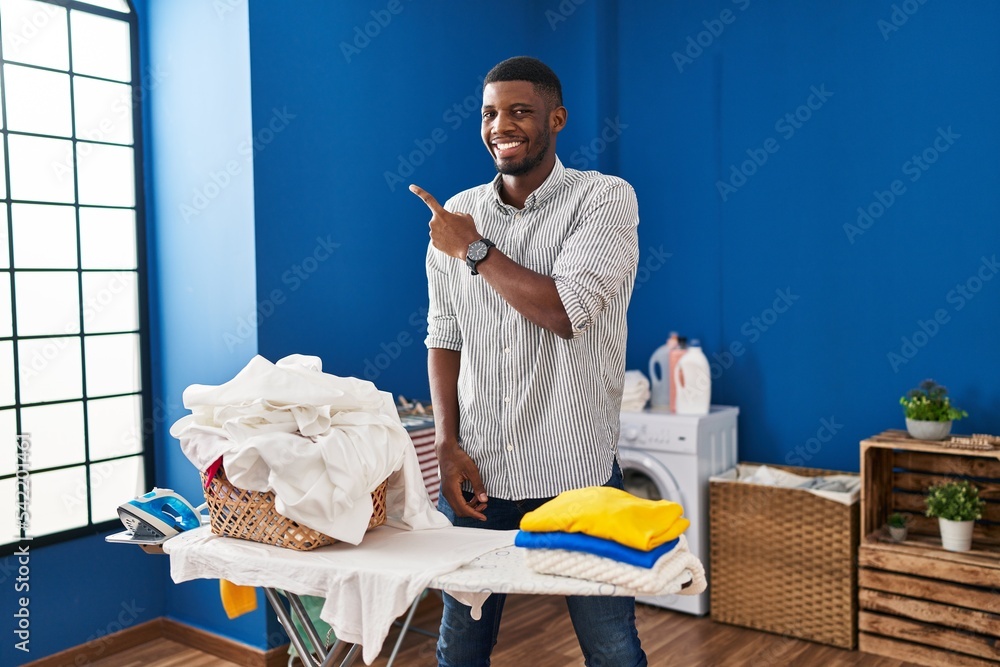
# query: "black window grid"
{"points": [[147, 424]]}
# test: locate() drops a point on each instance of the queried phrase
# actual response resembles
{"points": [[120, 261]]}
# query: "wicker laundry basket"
{"points": [[251, 515], [784, 560]]}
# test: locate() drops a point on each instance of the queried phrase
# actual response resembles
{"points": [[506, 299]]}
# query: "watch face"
{"points": [[477, 251]]}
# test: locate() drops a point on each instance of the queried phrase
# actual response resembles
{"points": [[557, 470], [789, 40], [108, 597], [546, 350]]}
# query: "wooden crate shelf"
{"points": [[917, 601]]}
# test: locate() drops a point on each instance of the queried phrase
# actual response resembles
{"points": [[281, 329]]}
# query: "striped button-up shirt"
{"points": [[539, 414]]}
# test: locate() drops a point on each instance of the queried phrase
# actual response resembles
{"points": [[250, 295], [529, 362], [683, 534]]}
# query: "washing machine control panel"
{"points": [[659, 431]]}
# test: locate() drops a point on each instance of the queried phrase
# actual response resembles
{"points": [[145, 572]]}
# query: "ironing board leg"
{"points": [[299, 610], [351, 656], [286, 622], [325, 653], [402, 631]]}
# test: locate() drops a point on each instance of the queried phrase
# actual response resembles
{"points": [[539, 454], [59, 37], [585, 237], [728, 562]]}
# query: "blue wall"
{"points": [[79, 591], [851, 295], [340, 243], [201, 216], [759, 264], [325, 256]]}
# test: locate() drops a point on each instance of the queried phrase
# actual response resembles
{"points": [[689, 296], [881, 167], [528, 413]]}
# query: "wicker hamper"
{"points": [[251, 515], [784, 560]]}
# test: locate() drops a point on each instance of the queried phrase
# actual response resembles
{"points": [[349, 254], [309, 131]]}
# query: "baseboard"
{"points": [[222, 647], [165, 628], [107, 645]]}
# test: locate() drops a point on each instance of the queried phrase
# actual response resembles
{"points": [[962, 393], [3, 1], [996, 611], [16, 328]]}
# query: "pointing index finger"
{"points": [[427, 198]]}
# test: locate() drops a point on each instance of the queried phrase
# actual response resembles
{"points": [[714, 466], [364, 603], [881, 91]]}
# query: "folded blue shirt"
{"points": [[593, 545]]}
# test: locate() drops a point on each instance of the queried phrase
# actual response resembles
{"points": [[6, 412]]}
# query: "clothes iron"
{"points": [[158, 515]]}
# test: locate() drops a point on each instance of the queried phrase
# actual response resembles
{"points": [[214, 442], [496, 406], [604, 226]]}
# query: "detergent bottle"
{"points": [[693, 379], [675, 356], [659, 374]]}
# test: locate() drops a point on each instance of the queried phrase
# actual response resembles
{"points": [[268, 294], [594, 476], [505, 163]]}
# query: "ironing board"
{"points": [[494, 569]]}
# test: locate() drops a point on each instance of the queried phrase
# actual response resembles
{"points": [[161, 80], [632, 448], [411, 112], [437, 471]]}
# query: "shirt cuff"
{"points": [[579, 318], [443, 343]]}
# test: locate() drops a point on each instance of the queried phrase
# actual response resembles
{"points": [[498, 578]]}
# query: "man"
{"points": [[529, 279]]}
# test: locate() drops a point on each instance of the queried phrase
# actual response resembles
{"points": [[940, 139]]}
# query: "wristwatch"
{"points": [[477, 253]]}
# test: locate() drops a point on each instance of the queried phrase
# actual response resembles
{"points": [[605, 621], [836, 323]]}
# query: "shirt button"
{"points": [[506, 399], [510, 448], [506, 350]]}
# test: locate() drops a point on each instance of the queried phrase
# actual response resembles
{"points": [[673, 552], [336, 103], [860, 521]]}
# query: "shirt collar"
{"points": [[548, 187]]}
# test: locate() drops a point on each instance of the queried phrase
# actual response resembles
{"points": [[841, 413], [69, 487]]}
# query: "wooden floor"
{"points": [[536, 632]]}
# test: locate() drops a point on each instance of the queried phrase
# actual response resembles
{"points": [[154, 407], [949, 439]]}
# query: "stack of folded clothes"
{"points": [[608, 535]]}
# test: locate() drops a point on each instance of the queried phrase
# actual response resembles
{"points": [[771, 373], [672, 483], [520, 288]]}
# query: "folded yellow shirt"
{"points": [[609, 513]]}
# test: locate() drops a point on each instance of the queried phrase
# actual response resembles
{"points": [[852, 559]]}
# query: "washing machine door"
{"points": [[646, 477]]}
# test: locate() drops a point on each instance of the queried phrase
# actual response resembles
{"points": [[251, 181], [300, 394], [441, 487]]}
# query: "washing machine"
{"points": [[671, 457]]}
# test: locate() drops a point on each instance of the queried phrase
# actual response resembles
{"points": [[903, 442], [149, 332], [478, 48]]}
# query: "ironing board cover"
{"points": [[368, 586]]}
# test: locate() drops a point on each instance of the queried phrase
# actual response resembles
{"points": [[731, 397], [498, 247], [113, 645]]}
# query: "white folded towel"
{"points": [[667, 577], [635, 394]]}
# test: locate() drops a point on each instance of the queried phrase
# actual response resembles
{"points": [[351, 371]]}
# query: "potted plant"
{"points": [[929, 411], [957, 505], [898, 524]]}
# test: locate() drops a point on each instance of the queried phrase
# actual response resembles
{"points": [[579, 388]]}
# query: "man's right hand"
{"points": [[457, 467]]}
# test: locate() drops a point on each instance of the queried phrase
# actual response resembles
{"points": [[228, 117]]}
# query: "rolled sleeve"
{"points": [[599, 257], [442, 325]]}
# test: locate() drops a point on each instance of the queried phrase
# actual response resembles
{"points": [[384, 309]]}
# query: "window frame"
{"points": [[148, 421]]}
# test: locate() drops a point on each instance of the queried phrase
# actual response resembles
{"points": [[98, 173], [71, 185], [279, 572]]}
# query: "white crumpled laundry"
{"points": [[365, 587], [321, 443]]}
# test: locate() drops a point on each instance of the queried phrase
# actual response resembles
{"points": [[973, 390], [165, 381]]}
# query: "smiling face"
{"points": [[518, 126]]}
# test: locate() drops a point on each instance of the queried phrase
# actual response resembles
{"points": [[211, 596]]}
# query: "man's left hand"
{"points": [[451, 233]]}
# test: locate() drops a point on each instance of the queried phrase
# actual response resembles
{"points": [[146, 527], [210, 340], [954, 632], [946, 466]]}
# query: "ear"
{"points": [[557, 119]]}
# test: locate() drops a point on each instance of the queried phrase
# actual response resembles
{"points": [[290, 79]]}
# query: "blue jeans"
{"points": [[605, 626]]}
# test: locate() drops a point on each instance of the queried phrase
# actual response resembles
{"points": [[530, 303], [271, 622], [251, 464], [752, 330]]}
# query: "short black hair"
{"points": [[525, 68]]}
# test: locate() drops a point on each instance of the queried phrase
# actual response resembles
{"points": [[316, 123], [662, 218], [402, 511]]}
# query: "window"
{"points": [[73, 354]]}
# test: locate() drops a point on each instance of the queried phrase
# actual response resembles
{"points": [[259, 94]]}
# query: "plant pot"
{"points": [[924, 430], [897, 533], [956, 535]]}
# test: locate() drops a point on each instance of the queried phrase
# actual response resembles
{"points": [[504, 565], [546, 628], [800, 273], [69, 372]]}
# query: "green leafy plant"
{"points": [[899, 520], [955, 500], [930, 402]]}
